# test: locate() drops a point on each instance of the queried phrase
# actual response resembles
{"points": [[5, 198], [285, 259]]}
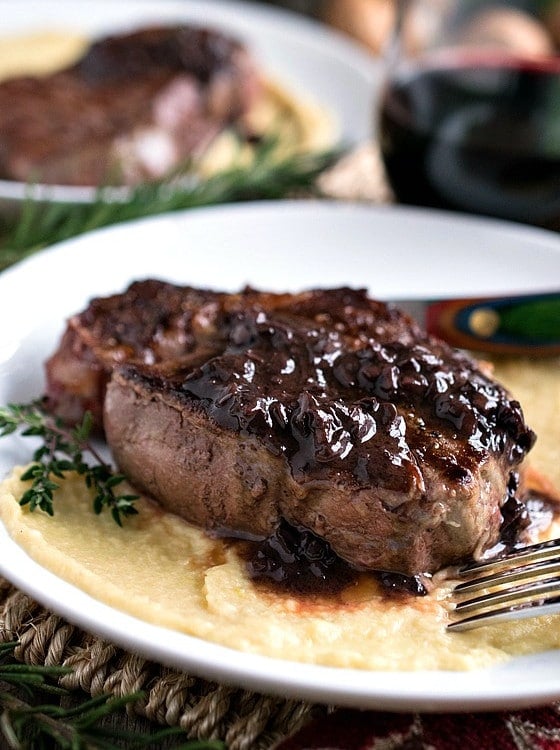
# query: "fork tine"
{"points": [[524, 556], [525, 583], [512, 596], [529, 609], [528, 600], [506, 577]]}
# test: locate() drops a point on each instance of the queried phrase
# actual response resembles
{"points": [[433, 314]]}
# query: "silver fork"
{"points": [[524, 583]]}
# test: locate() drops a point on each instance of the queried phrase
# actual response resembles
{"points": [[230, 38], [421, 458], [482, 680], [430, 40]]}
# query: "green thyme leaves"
{"points": [[61, 450]]}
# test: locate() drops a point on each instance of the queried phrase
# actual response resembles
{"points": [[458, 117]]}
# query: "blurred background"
{"points": [[308, 7], [469, 117], [367, 21]]}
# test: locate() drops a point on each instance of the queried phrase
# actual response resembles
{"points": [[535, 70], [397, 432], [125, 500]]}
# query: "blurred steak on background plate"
{"points": [[134, 107]]}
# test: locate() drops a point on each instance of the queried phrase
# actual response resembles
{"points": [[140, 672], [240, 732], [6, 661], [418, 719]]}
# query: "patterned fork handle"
{"points": [[527, 324]]}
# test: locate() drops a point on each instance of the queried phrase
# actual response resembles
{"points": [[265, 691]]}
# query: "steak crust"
{"points": [[325, 409], [133, 108]]}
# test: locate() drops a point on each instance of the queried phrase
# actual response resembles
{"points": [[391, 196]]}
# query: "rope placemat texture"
{"points": [[243, 719]]}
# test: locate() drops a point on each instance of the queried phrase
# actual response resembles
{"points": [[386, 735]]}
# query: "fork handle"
{"points": [[526, 324]]}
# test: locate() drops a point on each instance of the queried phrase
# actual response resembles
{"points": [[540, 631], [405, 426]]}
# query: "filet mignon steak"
{"points": [[324, 409]]}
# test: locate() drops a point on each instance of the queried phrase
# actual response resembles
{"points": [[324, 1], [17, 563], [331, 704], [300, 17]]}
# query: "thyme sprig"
{"points": [[63, 450], [66, 722]]}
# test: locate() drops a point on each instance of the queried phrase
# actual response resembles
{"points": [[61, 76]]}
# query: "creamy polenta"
{"points": [[39, 53], [536, 384], [164, 571], [298, 124]]}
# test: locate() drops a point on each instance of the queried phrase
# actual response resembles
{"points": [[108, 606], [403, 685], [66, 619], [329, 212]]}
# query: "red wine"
{"points": [[479, 135]]}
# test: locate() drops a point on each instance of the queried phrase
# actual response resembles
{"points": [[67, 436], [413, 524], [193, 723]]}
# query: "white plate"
{"points": [[284, 245], [309, 58]]}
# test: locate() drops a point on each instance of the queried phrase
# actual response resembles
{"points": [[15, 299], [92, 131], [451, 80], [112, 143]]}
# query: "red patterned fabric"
{"points": [[346, 729]]}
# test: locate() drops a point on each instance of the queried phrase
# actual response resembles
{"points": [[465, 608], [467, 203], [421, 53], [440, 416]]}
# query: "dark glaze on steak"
{"points": [[153, 322], [133, 108], [324, 410]]}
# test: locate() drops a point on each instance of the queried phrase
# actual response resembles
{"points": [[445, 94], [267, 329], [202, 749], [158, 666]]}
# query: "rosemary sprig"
{"points": [[26, 678], [27, 722], [47, 725], [268, 177], [62, 450]]}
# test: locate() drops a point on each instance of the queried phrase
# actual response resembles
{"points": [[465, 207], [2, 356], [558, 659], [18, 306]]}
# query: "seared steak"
{"points": [[152, 322], [134, 107], [325, 409]]}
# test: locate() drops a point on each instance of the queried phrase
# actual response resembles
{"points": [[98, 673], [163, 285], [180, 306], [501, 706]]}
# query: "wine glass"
{"points": [[469, 116]]}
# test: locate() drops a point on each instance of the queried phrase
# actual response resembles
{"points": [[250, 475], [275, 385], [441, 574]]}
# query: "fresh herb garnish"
{"points": [[269, 176], [62, 450], [28, 722]]}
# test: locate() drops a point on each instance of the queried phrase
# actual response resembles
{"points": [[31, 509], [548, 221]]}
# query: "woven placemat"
{"points": [[244, 720]]}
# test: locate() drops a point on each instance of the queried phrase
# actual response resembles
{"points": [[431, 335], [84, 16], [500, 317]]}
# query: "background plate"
{"points": [[281, 246], [309, 58]]}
